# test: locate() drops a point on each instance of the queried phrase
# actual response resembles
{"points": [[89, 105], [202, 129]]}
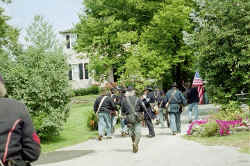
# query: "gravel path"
{"points": [[163, 150]]}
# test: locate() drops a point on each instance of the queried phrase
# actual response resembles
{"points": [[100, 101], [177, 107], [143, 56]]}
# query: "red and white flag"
{"points": [[197, 82]]}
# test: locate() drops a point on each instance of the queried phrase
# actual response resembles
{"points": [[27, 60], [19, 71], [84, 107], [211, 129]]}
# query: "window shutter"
{"points": [[86, 71], [67, 41], [81, 71], [70, 72]]}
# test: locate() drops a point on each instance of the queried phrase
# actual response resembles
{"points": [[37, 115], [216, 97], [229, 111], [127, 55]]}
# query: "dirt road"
{"points": [[162, 150]]}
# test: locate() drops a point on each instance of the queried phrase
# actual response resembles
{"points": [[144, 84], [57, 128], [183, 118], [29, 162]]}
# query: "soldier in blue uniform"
{"points": [[175, 99], [124, 128], [132, 107], [149, 115]]}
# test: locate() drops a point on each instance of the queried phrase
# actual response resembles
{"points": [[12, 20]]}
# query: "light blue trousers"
{"points": [[161, 117], [124, 127], [175, 121], [191, 107], [104, 123], [135, 131]]}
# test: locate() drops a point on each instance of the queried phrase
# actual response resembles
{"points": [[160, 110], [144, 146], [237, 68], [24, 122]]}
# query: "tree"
{"points": [[163, 54], [222, 43], [106, 26], [38, 77], [41, 35], [148, 31], [8, 35]]}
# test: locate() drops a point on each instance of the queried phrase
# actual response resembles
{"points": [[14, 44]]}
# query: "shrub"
{"points": [[38, 77], [230, 111], [230, 115], [87, 91], [92, 122], [209, 129]]}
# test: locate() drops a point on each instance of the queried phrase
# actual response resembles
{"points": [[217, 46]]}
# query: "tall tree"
{"points": [[106, 26], [223, 47], [8, 35], [38, 77], [114, 32]]}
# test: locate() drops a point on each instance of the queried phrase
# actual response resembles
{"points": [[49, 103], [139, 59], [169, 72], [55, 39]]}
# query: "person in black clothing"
{"points": [[114, 114], [149, 115], [192, 99], [19, 143], [103, 107], [124, 127], [132, 107]]}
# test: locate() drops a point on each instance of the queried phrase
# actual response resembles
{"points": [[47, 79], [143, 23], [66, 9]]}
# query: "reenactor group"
{"points": [[137, 111]]}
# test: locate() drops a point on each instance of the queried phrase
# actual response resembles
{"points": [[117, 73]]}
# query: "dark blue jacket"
{"points": [[192, 95]]}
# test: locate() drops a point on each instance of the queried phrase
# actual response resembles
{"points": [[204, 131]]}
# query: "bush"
{"points": [[230, 112], [87, 91], [92, 121], [209, 129], [42, 86], [37, 76]]}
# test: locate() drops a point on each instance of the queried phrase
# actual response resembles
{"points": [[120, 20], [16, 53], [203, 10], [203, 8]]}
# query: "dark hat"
{"points": [[1, 79], [113, 90], [121, 89], [149, 88], [130, 88], [174, 84]]}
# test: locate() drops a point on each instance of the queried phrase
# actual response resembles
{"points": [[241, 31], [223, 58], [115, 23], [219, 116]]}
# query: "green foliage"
{"points": [[92, 122], [40, 34], [87, 91], [143, 36], [209, 129], [8, 37], [223, 50], [227, 112], [206, 130], [38, 77], [231, 111]]}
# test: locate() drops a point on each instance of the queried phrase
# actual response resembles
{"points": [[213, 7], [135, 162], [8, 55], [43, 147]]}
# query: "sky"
{"points": [[62, 14]]}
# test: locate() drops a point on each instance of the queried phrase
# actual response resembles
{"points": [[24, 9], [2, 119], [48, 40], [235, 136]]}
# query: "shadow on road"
{"points": [[123, 150], [58, 156]]}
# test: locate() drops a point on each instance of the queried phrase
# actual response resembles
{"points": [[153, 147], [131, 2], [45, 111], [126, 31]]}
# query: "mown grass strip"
{"points": [[240, 140], [75, 129]]}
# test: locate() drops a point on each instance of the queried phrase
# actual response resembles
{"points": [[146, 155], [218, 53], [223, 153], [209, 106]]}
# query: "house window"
{"points": [[68, 41], [73, 39], [75, 72], [81, 71], [70, 72], [86, 71]]}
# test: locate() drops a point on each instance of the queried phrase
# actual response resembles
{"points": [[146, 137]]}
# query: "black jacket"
{"points": [[148, 114], [107, 105], [192, 95], [16, 124], [135, 102]]}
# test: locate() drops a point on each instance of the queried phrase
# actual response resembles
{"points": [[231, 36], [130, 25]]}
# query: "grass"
{"points": [[239, 140], [75, 129]]}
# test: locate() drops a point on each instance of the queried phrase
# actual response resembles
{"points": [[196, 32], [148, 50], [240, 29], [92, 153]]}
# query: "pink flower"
{"points": [[198, 122]]}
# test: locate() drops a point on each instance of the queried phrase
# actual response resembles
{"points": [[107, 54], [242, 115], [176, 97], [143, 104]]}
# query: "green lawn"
{"points": [[75, 129], [240, 140]]}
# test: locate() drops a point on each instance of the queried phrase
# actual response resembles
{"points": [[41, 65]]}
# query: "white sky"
{"points": [[62, 14]]}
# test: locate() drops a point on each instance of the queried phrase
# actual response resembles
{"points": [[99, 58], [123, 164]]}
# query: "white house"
{"points": [[78, 62]]}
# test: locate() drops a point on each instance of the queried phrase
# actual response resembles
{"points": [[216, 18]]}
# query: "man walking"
{"points": [[114, 114], [132, 107], [124, 128], [103, 108], [192, 99], [19, 143], [174, 99], [148, 113]]}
